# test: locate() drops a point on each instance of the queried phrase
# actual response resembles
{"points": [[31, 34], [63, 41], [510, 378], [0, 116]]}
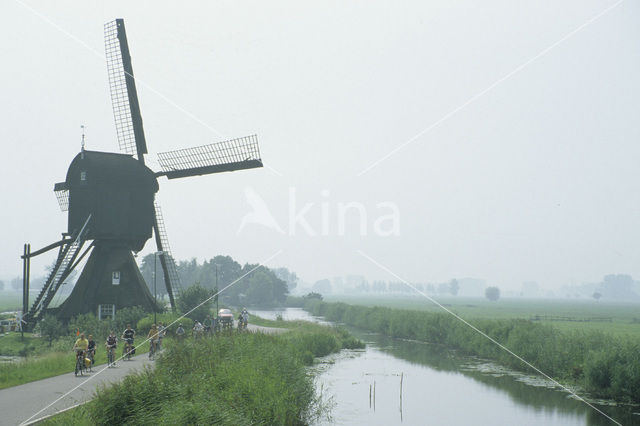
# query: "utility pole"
{"points": [[217, 290], [155, 298]]}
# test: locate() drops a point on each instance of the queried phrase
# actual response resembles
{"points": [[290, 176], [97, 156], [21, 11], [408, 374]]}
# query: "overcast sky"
{"points": [[535, 179]]}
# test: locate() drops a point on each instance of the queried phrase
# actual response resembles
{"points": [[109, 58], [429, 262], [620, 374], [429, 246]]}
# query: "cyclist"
{"points": [[128, 335], [91, 349], [180, 333], [80, 347], [111, 344], [153, 340], [162, 331], [245, 317], [207, 324], [198, 328]]}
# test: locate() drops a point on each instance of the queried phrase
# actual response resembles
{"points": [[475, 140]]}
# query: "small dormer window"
{"points": [[83, 175]]}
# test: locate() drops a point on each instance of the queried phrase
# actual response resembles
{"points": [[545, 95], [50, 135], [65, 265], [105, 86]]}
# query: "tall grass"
{"points": [[605, 365], [235, 379]]}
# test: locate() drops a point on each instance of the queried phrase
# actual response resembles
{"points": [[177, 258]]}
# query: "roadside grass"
{"points": [[625, 317], [229, 379]]}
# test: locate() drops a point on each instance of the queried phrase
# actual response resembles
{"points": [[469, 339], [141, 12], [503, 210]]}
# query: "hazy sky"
{"points": [[534, 180]]}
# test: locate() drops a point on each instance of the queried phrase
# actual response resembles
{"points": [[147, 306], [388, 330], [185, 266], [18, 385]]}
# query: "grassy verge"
{"points": [[606, 365], [230, 379]]}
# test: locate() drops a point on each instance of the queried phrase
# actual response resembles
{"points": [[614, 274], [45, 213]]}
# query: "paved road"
{"points": [[19, 403]]}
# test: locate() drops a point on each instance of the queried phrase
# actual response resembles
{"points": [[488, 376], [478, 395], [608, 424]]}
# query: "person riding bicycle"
{"points": [[81, 345], [111, 344], [153, 338], [207, 324], [180, 333], [198, 328], [162, 331], [91, 349], [128, 335], [245, 316]]}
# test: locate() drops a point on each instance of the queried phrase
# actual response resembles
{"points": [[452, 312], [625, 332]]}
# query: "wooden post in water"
{"points": [[401, 380], [374, 395], [370, 385]]}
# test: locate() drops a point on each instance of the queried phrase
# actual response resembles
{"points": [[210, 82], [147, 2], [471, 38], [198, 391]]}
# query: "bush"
{"points": [[50, 328], [192, 297], [144, 325]]}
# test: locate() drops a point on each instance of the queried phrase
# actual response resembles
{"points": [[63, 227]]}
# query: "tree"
{"points": [[313, 295], [618, 286], [454, 287], [597, 296], [16, 283], [193, 296], [150, 266], [51, 328], [322, 287], [492, 293], [443, 288], [291, 278]]}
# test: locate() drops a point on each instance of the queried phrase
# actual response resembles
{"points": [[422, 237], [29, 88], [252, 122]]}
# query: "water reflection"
{"points": [[531, 392]]}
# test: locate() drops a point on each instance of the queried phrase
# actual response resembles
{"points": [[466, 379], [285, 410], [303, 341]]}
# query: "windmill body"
{"points": [[117, 192], [112, 208]]}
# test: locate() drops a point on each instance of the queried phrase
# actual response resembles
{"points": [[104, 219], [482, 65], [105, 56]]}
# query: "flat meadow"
{"points": [[10, 300], [618, 318]]}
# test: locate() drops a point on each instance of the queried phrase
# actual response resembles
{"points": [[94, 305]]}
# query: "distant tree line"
{"points": [[248, 284]]}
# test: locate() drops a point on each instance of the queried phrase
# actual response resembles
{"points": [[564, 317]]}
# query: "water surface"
{"points": [[440, 387]]}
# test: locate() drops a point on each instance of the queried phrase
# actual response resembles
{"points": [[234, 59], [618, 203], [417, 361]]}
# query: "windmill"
{"points": [[112, 211]]}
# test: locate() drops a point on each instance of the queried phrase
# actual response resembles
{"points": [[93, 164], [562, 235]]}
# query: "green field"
{"points": [[10, 301], [587, 315]]}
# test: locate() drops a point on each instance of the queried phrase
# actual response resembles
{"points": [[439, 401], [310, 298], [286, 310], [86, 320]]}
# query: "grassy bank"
{"points": [[605, 365], [234, 379]]}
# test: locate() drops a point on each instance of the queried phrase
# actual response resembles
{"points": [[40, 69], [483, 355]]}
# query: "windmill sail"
{"points": [[124, 97], [171, 277], [235, 154]]}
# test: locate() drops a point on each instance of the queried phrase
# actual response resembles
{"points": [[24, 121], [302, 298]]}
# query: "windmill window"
{"points": [[115, 278], [83, 175], [106, 311]]}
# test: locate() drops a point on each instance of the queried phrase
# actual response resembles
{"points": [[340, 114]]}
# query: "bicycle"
{"points": [[79, 362], [152, 349], [91, 356], [127, 350], [111, 362]]}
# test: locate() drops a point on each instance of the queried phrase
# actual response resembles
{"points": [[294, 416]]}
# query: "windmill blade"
{"points": [[171, 277], [227, 156], [124, 96]]}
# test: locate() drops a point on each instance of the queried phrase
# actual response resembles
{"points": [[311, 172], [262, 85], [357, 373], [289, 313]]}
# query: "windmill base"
{"points": [[109, 282]]}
